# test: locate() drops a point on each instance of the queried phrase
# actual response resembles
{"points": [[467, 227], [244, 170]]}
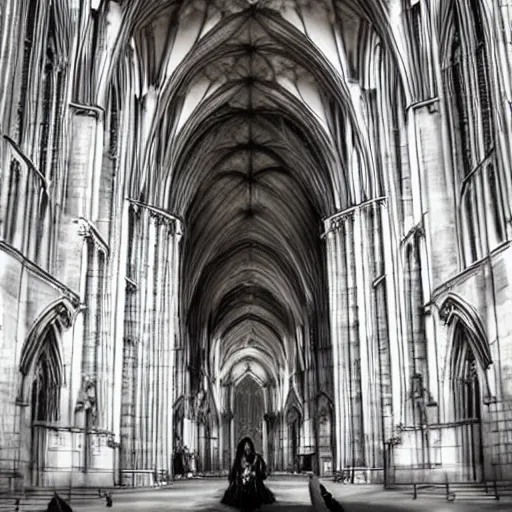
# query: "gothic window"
{"points": [[47, 110], [32, 18], [495, 204], [114, 123], [480, 201], [469, 220], [482, 69], [52, 85], [249, 410], [41, 224], [12, 201], [461, 121]]}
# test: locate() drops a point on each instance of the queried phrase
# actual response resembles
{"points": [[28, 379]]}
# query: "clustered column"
{"points": [[150, 333], [359, 334], [337, 275]]}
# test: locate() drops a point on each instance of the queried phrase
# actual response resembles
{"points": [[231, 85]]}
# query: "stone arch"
{"points": [[45, 335], [466, 401], [293, 416], [249, 409], [41, 380], [466, 385], [293, 401], [455, 311], [325, 434]]}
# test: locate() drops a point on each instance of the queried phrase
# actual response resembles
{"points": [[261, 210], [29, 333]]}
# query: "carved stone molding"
{"points": [[159, 217], [87, 110], [446, 312], [131, 286], [65, 317], [88, 231], [337, 221], [87, 396], [414, 234]]}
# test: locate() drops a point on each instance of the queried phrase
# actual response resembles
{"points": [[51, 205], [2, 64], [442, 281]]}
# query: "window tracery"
{"points": [[477, 177]]}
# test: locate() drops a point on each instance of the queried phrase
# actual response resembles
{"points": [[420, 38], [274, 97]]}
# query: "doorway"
{"points": [[44, 403], [467, 407], [249, 410], [293, 420]]}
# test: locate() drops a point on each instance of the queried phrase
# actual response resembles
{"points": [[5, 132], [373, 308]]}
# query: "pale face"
{"points": [[247, 448]]}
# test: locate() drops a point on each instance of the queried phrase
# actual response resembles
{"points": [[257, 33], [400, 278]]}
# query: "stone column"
{"points": [[438, 208], [382, 328], [152, 318], [354, 349], [338, 306], [265, 440], [358, 329]]}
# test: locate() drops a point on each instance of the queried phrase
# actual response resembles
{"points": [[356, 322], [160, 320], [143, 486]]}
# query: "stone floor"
{"points": [[292, 495]]}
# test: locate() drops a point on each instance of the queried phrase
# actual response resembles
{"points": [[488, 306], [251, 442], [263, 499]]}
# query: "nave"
{"points": [[282, 219]]}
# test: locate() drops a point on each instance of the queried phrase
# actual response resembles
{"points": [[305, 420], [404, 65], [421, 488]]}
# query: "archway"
{"points": [[293, 424], [39, 393], [249, 411], [325, 438], [467, 400], [45, 386]]}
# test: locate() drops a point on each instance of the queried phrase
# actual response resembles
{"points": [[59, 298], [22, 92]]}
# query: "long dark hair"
{"points": [[240, 450]]}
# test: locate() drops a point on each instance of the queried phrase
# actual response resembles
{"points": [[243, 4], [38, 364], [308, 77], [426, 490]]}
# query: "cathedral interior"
{"points": [[283, 219]]}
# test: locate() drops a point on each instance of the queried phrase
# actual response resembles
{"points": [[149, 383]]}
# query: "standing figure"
{"points": [[246, 489]]}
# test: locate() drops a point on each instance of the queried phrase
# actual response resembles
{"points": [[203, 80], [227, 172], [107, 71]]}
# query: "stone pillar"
{"points": [[151, 318], [354, 349], [359, 331], [265, 440], [382, 328], [438, 208], [338, 305]]}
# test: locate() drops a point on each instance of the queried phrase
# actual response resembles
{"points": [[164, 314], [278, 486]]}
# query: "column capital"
{"points": [[159, 217], [88, 231], [335, 222]]}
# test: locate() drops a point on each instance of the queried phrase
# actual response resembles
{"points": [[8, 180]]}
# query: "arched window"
{"points": [[249, 411], [468, 85], [483, 77], [469, 220], [30, 36], [13, 200], [495, 201], [460, 96]]}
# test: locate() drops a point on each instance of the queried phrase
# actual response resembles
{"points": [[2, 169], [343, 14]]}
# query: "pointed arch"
{"points": [[466, 397], [293, 401], [249, 409], [44, 341], [454, 311]]}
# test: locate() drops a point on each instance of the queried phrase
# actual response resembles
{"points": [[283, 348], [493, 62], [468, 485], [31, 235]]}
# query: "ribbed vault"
{"points": [[251, 135]]}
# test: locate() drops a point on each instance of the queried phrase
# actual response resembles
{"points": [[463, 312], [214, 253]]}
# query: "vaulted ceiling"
{"points": [[251, 134]]}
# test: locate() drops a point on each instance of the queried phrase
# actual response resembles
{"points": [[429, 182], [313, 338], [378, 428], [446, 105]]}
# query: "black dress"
{"points": [[246, 489]]}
